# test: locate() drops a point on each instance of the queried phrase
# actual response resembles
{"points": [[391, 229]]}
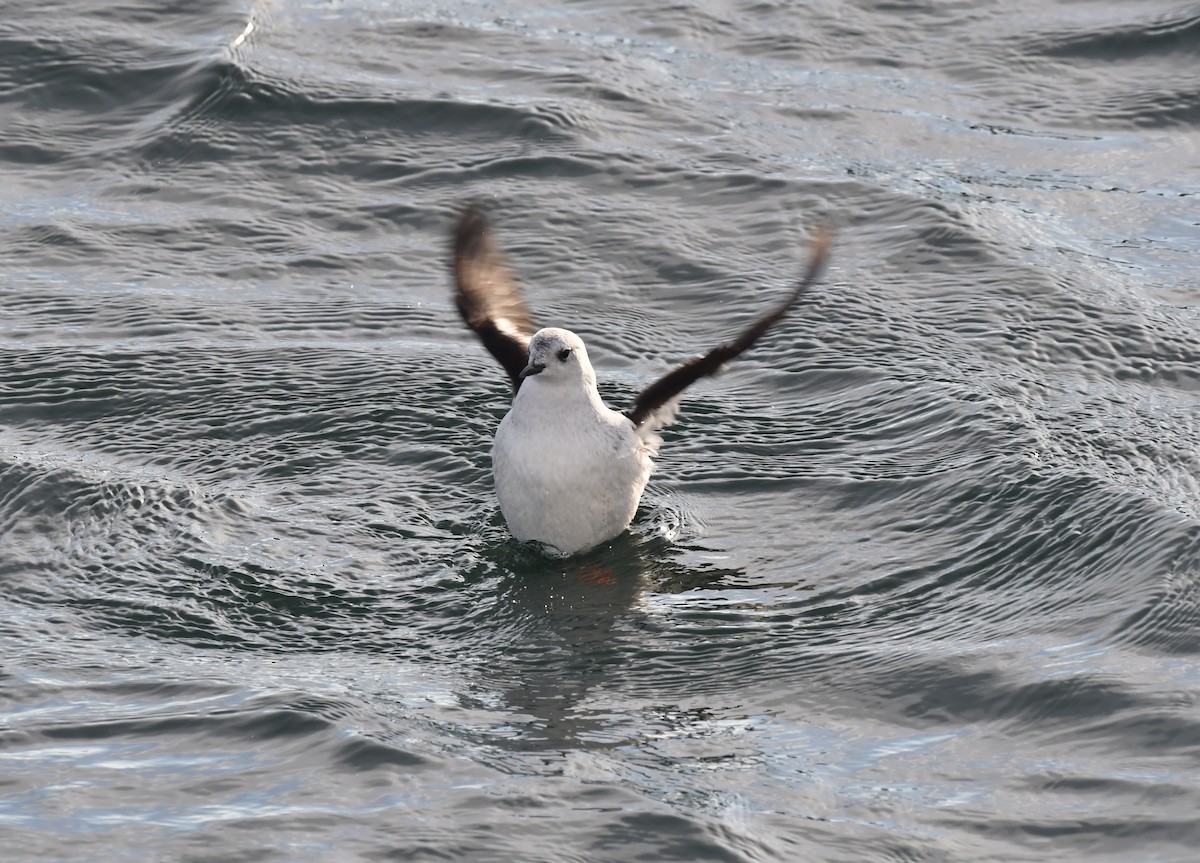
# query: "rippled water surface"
{"points": [[916, 580]]}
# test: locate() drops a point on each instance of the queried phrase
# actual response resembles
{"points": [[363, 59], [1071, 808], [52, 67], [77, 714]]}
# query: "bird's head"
{"points": [[558, 356]]}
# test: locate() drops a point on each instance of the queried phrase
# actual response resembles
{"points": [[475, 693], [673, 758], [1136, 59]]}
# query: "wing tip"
{"points": [[470, 233], [820, 244], [657, 404]]}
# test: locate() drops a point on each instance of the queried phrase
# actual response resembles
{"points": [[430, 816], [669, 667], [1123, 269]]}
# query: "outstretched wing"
{"points": [[487, 296], [654, 407]]}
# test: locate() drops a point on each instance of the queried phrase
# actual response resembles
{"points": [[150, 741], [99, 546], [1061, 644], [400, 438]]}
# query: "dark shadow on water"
{"points": [[612, 577], [582, 624]]}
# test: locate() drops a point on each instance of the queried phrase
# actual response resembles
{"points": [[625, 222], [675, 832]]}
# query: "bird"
{"points": [[569, 471]]}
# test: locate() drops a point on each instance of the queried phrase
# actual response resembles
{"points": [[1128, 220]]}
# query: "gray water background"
{"points": [[916, 580]]}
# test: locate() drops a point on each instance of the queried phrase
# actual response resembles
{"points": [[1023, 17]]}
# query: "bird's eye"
{"points": [[564, 353]]}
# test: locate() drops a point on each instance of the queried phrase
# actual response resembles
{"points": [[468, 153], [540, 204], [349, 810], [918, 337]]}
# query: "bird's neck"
{"points": [[536, 396]]}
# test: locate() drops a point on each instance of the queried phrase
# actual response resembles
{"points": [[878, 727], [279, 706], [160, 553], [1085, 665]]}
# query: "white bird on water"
{"points": [[569, 470]]}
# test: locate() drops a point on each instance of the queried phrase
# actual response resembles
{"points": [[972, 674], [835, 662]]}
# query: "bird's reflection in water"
{"points": [[583, 627]]}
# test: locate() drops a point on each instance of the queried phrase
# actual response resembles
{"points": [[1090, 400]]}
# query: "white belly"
{"points": [[570, 485]]}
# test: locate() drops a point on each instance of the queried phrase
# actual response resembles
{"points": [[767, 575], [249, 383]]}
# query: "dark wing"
{"points": [[487, 296], [655, 400]]}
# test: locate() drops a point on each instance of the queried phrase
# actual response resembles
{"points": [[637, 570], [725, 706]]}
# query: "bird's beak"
{"points": [[534, 368]]}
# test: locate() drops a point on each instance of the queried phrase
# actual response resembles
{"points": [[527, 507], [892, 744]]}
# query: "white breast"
{"points": [[569, 472]]}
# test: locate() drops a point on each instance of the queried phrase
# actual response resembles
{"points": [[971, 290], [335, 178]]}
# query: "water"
{"points": [[916, 580]]}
